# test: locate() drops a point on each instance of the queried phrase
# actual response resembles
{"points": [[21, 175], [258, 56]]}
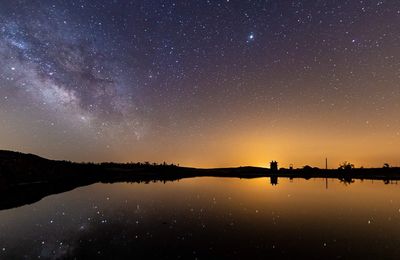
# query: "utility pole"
{"points": [[326, 168], [326, 163]]}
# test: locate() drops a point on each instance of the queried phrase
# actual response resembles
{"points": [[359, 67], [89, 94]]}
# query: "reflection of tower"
{"points": [[274, 165], [274, 180]]}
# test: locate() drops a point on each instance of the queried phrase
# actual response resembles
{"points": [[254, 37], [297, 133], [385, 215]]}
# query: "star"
{"points": [[250, 37]]}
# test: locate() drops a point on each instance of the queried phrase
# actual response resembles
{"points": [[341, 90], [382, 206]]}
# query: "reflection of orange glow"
{"points": [[288, 195]]}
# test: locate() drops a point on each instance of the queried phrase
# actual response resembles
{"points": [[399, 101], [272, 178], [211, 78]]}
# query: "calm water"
{"points": [[209, 217]]}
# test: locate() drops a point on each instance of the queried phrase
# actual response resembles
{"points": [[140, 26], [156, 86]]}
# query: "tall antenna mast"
{"points": [[326, 163], [326, 168]]}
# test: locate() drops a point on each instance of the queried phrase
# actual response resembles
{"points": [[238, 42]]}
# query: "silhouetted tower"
{"points": [[274, 165]]}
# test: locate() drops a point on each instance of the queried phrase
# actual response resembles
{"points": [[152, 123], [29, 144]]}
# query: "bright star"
{"points": [[250, 37]]}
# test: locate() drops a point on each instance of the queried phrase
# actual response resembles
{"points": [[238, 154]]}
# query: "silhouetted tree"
{"points": [[307, 168], [386, 165], [346, 166]]}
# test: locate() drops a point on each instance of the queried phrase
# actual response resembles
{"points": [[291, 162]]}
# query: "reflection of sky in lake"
{"points": [[205, 217]]}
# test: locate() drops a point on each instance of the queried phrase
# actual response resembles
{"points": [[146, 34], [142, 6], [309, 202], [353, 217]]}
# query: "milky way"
{"points": [[54, 62], [171, 80]]}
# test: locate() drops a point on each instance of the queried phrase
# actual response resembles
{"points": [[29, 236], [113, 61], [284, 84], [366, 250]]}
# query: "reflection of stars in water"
{"points": [[110, 217]]}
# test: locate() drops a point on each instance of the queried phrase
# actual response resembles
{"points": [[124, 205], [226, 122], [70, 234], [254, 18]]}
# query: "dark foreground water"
{"points": [[209, 218]]}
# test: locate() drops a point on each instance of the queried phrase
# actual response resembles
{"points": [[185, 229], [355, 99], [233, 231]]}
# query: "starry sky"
{"points": [[202, 83]]}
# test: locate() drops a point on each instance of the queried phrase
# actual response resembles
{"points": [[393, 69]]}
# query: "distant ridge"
{"points": [[7, 154]]}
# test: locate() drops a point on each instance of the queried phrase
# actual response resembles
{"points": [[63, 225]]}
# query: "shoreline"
{"points": [[27, 178]]}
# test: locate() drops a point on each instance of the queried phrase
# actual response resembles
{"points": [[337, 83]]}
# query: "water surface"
{"points": [[209, 217]]}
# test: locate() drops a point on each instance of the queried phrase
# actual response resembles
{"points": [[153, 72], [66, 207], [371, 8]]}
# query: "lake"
{"points": [[209, 217]]}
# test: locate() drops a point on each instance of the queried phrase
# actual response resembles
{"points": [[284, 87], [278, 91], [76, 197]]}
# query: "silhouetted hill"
{"points": [[16, 167], [11, 155]]}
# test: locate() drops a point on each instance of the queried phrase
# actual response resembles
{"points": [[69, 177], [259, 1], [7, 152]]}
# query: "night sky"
{"points": [[202, 83]]}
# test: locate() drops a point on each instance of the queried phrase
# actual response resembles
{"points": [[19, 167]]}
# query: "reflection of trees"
{"points": [[388, 181], [346, 180]]}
